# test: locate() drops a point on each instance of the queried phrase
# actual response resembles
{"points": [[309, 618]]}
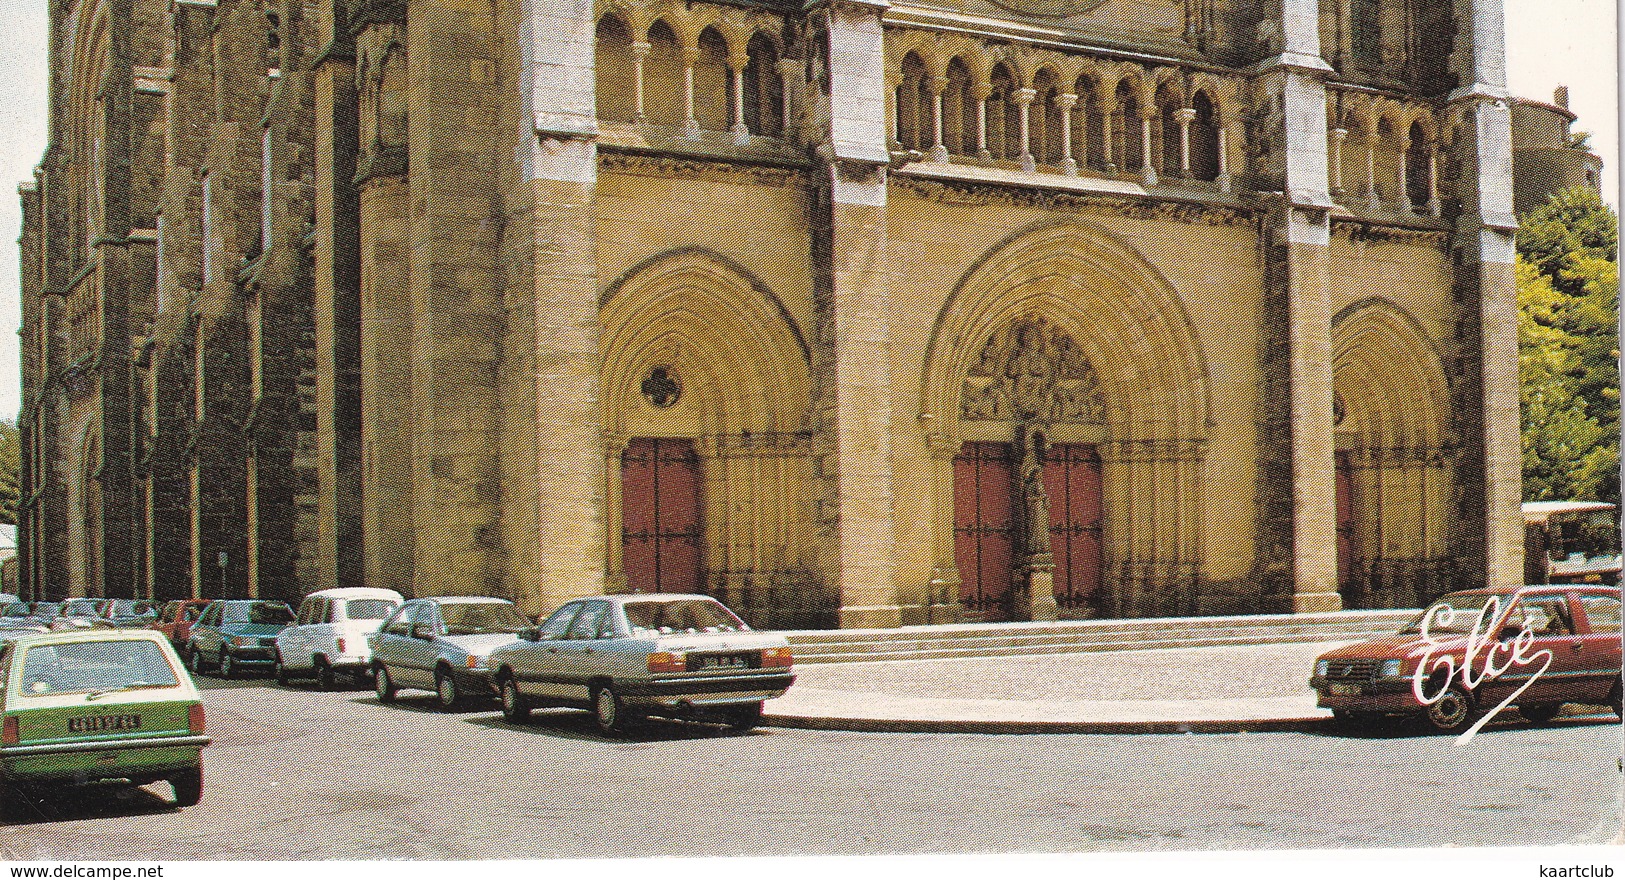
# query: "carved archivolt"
{"points": [[1032, 370]]}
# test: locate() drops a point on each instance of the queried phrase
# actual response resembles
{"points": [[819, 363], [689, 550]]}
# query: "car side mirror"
{"points": [[531, 634], [1510, 632], [423, 631]]}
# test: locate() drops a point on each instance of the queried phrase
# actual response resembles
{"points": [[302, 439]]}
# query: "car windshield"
{"points": [[369, 609], [1463, 614], [98, 666], [16, 609], [267, 613], [468, 618], [81, 608], [687, 615], [47, 609]]}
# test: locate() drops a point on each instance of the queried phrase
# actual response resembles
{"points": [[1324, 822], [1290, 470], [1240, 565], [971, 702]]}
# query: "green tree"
{"points": [[1568, 300], [10, 470]]}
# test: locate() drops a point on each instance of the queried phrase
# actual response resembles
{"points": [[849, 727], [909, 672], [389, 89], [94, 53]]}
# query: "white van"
{"points": [[329, 637]]}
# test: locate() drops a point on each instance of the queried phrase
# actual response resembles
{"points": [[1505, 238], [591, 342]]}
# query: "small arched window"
{"points": [[764, 91], [663, 77], [617, 78], [913, 106], [1418, 170], [1204, 139]]}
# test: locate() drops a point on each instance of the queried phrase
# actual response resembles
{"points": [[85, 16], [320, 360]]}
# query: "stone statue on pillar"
{"points": [[1035, 574]]}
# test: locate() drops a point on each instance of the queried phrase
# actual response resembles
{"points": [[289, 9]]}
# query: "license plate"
{"points": [[100, 723], [1345, 690], [725, 661]]}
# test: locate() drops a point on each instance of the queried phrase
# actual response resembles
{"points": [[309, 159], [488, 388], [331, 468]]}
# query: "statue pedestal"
{"points": [[1035, 590]]}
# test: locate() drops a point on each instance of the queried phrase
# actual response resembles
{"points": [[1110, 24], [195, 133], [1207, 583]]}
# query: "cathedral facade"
{"points": [[849, 313]]}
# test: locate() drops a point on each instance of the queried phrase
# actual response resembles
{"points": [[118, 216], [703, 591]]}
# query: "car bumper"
{"points": [[710, 690], [1382, 695], [98, 760]]}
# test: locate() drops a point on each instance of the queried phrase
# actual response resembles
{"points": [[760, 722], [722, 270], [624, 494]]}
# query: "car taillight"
{"points": [[777, 657], [9, 736], [341, 646], [195, 721], [665, 661]]}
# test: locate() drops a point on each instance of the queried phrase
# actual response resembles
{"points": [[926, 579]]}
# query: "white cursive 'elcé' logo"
{"points": [[1499, 656]]}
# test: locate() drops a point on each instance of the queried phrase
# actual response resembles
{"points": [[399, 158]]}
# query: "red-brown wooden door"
{"points": [[984, 529], [660, 516], [1072, 482], [1345, 528]]}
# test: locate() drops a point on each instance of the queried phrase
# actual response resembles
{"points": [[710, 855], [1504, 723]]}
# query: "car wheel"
{"points": [[514, 708], [744, 718], [228, 665], [1540, 713], [325, 679], [282, 676], [1452, 712], [195, 660], [1614, 700], [383, 684], [611, 714], [188, 787], [445, 690]]}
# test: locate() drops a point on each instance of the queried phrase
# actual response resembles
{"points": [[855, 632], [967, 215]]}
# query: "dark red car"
{"points": [[176, 620], [1559, 643]]}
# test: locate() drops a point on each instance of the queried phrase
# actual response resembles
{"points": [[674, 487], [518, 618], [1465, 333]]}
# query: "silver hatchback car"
{"points": [[625, 657], [441, 643]]}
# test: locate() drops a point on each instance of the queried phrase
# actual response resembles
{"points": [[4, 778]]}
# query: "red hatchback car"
{"points": [[176, 620], [1476, 649]]}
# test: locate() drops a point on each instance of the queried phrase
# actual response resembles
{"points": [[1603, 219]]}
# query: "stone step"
{"points": [[1016, 639]]}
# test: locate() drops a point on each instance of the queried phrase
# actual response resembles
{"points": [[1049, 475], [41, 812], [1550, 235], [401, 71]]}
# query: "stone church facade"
{"points": [[850, 313]]}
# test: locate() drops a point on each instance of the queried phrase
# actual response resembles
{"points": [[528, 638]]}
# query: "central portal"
{"points": [[986, 531], [660, 516]]}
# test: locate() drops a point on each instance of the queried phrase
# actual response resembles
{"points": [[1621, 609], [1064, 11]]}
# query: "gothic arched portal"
{"points": [[1391, 406], [1064, 350], [706, 393]]}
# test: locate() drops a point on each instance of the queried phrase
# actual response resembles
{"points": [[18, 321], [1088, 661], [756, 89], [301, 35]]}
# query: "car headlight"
{"points": [[244, 641], [1322, 666], [1390, 668]]}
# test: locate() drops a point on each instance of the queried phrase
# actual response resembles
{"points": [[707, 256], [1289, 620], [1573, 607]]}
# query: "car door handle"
{"points": [[552, 650], [586, 650]]}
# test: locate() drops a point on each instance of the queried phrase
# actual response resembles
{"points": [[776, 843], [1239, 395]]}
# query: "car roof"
{"points": [[356, 593], [623, 598], [459, 600], [93, 635]]}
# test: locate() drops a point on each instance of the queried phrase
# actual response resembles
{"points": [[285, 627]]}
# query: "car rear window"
{"points": [[691, 615], [268, 613], [369, 609], [468, 618], [95, 666]]}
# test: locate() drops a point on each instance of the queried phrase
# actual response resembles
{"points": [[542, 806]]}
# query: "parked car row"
{"points": [[623, 658]]}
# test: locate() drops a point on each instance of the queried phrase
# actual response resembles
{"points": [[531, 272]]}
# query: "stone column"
{"points": [[939, 150], [691, 126], [1371, 200], [1339, 135], [1069, 165], [1401, 176], [736, 67], [1489, 470], [1223, 180], [1024, 100], [1148, 173], [1435, 208], [1185, 116], [640, 55], [554, 451], [788, 68], [983, 92], [852, 357], [1108, 109], [1298, 446]]}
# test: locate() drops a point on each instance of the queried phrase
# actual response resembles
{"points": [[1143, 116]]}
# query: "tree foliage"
{"points": [[1568, 306], [10, 470]]}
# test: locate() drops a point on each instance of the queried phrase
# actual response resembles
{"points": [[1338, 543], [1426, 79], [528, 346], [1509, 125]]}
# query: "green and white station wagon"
{"points": [[100, 705]]}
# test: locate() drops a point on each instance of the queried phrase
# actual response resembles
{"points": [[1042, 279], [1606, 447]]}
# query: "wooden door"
{"points": [[660, 516], [1072, 482], [984, 529]]}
